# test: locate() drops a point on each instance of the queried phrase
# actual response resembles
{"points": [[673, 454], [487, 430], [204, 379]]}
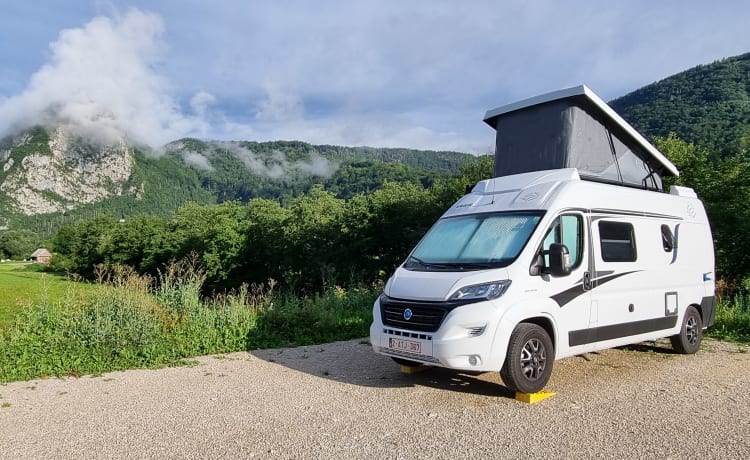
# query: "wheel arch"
{"points": [[707, 309], [698, 307], [537, 313], [546, 324]]}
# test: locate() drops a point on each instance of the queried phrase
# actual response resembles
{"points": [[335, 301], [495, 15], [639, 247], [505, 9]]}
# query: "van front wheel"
{"points": [[528, 362], [688, 341]]}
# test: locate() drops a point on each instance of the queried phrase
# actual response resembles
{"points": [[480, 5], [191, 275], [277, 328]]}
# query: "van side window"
{"points": [[568, 230], [617, 241], [667, 238]]}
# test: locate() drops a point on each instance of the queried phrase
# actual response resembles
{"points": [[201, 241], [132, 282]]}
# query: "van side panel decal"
{"points": [[569, 294], [564, 297], [604, 279], [621, 212], [615, 331]]}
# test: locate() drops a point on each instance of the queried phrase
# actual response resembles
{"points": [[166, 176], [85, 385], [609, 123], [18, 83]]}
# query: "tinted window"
{"points": [[617, 242], [667, 238]]}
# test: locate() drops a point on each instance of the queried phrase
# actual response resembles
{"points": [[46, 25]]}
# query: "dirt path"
{"points": [[340, 400]]}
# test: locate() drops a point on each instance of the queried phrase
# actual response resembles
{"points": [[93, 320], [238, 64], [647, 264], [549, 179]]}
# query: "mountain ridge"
{"points": [[708, 104], [50, 178]]}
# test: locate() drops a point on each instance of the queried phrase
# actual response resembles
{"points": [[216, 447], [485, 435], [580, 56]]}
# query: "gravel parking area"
{"points": [[340, 400]]}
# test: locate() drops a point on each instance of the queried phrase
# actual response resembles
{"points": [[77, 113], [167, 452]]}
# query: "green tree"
{"points": [[313, 235], [264, 251], [469, 173], [133, 242], [17, 243], [87, 244], [382, 228], [213, 232]]}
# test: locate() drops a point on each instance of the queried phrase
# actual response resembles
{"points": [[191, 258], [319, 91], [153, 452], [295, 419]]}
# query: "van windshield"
{"points": [[474, 242]]}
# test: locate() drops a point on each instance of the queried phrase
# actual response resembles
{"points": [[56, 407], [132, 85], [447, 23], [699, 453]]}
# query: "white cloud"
{"points": [[197, 160], [278, 166], [201, 101], [100, 82], [279, 105]]}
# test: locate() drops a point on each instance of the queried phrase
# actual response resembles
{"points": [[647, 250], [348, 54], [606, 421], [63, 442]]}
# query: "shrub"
{"points": [[732, 319]]}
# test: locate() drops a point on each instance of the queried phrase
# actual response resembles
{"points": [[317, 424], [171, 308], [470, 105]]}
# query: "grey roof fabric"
{"points": [[573, 128]]}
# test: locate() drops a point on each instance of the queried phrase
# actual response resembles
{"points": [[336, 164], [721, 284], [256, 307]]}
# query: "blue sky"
{"points": [[383, 73]]}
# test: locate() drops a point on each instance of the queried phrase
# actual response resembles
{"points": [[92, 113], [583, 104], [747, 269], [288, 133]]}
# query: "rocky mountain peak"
{"points": [[53, 170]]}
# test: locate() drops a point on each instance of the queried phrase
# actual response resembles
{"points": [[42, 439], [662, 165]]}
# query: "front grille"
{"points": [[407, 334], [411, 356], [426, 316]]}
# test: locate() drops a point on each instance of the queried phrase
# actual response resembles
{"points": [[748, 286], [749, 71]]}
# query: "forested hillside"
{"points": [[283, 170], [156, 183], [708, 105]]}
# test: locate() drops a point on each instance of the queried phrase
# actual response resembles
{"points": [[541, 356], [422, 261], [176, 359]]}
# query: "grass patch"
{"points": [[23, 284], [129, 320], [732, 319]]}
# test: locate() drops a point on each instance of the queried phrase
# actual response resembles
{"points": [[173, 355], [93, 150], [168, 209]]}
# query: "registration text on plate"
{"points": [[405, 345]]}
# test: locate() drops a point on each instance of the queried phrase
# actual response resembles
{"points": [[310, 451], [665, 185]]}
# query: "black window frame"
{"points": [[668, 240], [617, 241]]}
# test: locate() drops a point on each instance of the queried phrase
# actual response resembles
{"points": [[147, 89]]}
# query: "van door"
{"points": [[571, 292], [623, 288]]}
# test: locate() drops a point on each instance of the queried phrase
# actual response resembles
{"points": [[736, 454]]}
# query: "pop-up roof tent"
{"points": [[574, 128]]}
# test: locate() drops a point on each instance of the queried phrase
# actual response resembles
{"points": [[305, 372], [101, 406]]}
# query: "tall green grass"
{"points": [[732, 319], [137, 321]]}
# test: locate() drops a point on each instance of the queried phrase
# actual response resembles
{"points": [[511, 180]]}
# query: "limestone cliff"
{"points": [[51, 171]]}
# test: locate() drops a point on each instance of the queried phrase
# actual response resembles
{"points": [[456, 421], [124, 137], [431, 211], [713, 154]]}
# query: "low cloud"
{"points": [[277, 166], [100, 83], [197, 160]]}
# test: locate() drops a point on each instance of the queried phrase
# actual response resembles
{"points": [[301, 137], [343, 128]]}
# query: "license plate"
{"points": [[405, 345]]}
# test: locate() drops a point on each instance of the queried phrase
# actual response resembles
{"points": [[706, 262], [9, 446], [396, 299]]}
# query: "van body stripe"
{"points": [[615, 331]]}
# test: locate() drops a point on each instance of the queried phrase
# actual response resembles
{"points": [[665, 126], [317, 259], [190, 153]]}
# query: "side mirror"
{"points": [[559, 260]]}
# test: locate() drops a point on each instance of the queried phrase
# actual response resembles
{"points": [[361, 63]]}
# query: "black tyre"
{"points": [[406, 362], [528, 363], [688, 341]]}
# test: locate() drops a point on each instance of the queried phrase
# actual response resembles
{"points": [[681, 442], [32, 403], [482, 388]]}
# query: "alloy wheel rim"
{"points": [[691, 330], [533, 359]]}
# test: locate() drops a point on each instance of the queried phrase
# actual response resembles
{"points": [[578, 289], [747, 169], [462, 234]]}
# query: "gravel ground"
{"points": [[340, 400]]}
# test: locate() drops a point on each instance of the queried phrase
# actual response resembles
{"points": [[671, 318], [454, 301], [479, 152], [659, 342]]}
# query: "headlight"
{"points": [[487, 291]]}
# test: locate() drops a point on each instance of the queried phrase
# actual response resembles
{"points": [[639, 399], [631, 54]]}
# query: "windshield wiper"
{"points": [[459, 266], [430, 264], [475, 265]]}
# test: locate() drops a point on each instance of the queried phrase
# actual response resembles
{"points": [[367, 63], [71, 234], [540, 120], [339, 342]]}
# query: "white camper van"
{"points": [[574, 247]]}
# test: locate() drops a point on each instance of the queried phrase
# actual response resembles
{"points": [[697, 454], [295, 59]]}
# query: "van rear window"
{"points": [[617, 241]]}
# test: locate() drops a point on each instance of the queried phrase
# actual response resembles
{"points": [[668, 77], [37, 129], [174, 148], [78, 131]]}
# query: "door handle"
{"points": [[586, 281]]}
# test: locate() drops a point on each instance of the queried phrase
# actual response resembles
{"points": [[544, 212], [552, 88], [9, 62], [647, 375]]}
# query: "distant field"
{"points": [[21, 285]]}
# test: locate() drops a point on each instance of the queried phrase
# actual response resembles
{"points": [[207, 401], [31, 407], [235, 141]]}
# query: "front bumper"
{"points": [[465, 339]]}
